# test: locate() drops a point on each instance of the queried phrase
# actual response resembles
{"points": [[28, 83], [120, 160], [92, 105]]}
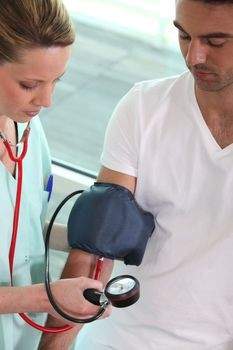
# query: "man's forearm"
{"points": [[78, 264]]}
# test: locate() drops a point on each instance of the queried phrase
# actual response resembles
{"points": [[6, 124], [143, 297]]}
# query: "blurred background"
{"points": [[119, 42]]}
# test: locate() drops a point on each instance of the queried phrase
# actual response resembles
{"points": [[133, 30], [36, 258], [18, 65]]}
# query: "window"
{"points": [[119, 42]]}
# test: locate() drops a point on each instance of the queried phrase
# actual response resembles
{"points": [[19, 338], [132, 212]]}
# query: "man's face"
{"points": [[206, 42]]}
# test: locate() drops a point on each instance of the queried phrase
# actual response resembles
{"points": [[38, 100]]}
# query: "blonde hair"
{"points": [[26, 24]]}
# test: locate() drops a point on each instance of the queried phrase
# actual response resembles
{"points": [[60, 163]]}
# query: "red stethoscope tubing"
{"points": [[19, 162]]}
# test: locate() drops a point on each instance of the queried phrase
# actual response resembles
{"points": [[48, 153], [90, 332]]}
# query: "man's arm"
{"points": [[80, 263], [114, 177]]}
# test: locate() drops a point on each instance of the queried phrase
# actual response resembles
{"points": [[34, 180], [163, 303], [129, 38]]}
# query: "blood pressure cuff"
{"points": [[106, 221]]}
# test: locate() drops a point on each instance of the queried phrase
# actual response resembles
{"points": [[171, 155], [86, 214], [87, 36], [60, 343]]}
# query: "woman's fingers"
{"points": [[68, 294], [86, 283]]}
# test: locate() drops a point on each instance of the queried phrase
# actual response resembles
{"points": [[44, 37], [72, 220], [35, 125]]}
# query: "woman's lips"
{"points": [[32, 113]]}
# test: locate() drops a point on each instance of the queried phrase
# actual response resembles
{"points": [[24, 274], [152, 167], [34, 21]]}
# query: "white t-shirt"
{"points": [[157, 134]]}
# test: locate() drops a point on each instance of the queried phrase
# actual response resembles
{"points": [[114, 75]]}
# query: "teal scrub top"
{"points": [[15, 334]]}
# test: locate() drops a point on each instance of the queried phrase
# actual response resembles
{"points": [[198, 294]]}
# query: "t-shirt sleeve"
{"points": [[121, 145]]}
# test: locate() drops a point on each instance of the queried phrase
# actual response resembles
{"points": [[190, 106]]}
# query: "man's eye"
{"points": [[183, 36], [217, 42]]}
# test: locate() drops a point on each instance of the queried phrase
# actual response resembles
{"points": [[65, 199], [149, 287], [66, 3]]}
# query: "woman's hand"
{"points": [[68, 294]]}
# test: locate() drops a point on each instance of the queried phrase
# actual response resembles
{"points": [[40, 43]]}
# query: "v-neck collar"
{"points": [[18, 132], [208, 137]]}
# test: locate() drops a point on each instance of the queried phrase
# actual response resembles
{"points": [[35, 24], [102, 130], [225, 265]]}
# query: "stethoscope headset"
{"points": [[121, 291]]}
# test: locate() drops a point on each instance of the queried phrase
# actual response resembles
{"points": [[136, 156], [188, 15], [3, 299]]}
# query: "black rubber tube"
{"points": [[47, 274]]}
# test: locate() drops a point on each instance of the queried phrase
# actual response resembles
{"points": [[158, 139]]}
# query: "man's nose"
{"points": [[197, 53]]}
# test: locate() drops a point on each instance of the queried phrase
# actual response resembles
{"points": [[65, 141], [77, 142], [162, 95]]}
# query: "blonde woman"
{"points": [[35, 46]]}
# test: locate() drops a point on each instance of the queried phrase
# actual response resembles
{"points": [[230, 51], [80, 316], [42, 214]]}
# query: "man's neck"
{"points": [[218, 104], [217, 111]]}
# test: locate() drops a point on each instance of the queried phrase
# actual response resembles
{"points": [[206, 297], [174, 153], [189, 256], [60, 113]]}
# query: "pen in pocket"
{"points": [[49, 186]]}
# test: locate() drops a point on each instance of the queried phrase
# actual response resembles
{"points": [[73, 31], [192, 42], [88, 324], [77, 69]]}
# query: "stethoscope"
{"points": [[121, 291]]}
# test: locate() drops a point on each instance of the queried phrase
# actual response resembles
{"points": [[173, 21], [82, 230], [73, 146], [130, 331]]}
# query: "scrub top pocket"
{"points": [[45, 197]]}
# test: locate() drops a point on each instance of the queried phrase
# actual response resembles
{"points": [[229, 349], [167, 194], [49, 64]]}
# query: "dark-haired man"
{"points": [[171, 143]]}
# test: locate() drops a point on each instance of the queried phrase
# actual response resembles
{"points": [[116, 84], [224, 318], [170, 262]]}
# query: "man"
{"points": [[171, 143]]}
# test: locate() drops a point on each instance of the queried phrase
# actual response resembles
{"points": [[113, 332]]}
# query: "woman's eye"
{"points": [[218, 42], [27, 87]]}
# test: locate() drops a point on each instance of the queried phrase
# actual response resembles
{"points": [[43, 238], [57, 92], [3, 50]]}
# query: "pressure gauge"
{"points": [[121, 291]]}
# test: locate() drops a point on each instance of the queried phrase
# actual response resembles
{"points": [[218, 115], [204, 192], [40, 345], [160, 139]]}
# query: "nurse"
{"points": [[35, 45]]}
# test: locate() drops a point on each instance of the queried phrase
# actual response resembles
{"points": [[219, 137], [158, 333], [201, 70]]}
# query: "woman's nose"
{"points": [[43, 98]]}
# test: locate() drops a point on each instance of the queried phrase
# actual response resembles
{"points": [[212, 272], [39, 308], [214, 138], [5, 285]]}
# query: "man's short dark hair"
{"points": [[217, 2]]}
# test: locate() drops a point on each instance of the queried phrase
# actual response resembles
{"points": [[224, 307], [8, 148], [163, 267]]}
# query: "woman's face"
{"points": [[27, 86]]}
